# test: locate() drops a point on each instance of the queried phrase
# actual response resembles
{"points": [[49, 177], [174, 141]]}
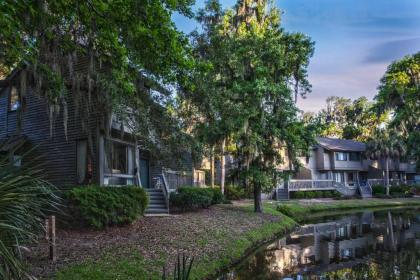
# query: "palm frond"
{"points": [[25, 199]]}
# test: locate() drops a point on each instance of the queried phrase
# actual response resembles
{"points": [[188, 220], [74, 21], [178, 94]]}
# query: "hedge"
{"points": [[190, 198], [394, 191], [106, 206], [314, 194]]}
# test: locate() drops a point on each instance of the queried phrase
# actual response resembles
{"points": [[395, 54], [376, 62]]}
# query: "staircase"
{"points": [[157, 202], [282, 194], [365, 191], [345, 191]]}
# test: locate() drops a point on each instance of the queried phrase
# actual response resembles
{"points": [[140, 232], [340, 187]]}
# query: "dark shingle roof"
{"points": [[341, 144]]}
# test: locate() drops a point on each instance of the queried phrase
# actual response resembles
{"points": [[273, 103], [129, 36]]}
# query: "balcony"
{"points": [[348, 165], [313, 185]]}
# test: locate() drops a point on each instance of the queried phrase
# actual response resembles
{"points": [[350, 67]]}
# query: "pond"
{"points": [[365, 245]]}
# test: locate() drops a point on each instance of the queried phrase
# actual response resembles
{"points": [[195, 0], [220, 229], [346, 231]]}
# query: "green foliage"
{"points": [[314, 194], [190, 198], [399, 93], [378, 190], [402, 189], [117, 44], [106, 206], [349, 119], [386, 145], [217, 196], [182, 268], [394, 191], [234, 192], [250, 72], [25, 200]]}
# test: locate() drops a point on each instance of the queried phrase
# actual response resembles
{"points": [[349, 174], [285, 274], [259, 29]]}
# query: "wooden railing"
{"points": [[159, 182], [392, 182], [119, 179], [413, 182], [176, 179], [295, 185]]}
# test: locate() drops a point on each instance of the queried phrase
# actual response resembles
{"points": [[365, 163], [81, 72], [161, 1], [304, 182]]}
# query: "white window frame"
{"points": [[341, 156]]}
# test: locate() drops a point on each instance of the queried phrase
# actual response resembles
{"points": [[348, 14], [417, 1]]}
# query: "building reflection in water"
{"points": [[316, 250]]}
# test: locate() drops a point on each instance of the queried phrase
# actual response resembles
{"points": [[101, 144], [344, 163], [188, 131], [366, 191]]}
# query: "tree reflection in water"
{"points": [[369, 245]]}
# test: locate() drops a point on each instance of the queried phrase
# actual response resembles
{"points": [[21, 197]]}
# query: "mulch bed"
{"points": [[199, 234]]}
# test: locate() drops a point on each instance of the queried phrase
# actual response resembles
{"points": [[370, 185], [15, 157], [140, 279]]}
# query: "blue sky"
{"points": [[355, 40]]}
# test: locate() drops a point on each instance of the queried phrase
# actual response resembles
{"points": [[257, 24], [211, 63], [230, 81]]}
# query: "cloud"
{"points": [[392, 50], [352, 82]]}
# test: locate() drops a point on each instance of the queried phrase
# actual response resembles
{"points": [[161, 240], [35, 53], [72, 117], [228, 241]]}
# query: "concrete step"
{"points": [[282, 194], [156, 211], [157, 202], [157, 206]]}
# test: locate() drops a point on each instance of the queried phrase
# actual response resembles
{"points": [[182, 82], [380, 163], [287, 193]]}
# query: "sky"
{"points": [[355, 41]]}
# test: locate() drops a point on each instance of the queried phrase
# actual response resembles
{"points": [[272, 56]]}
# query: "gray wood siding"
{"points": [[57, 155]]}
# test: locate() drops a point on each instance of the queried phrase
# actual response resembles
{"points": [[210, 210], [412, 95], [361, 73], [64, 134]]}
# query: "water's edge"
{"points": [[312, 218]]}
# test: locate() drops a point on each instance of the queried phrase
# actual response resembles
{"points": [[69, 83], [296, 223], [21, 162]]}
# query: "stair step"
{"points": [[156, 199], [156, 211], [157, 202], [155, 195], [157, 207]]}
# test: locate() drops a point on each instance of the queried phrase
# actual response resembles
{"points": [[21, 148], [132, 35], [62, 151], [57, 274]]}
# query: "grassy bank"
{"points": [[300, 210], [217, 237], [136, 266]]}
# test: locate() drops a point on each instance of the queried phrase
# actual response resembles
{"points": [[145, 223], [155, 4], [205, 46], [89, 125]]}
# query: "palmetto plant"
{"points": [[386, 145], [182, 268], [24, 200]]}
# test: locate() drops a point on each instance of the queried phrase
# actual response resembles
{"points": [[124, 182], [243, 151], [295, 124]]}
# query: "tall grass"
{"points": [[25, 199]]}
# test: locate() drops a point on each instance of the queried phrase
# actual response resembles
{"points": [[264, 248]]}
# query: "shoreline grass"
{"points": [[302, 211]]}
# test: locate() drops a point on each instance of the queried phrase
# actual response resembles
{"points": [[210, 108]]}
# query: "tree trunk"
{"points": [[257, 199], [387, 175], [212, 167], [223, 170]]}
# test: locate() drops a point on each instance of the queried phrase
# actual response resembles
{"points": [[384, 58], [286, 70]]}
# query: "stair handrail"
{"points": [[165, 190], [370, 188]]}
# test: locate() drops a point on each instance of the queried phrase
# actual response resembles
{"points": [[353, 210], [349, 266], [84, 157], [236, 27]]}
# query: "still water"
{"points": [[368, 245]]}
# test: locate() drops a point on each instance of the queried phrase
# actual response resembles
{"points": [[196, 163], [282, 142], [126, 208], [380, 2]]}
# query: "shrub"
{"points": [[297, 195], [378, 190], [314, 194], [399, 190], [310, 194], [106, 206], [233, 192], [217, 196], [189, 198]]}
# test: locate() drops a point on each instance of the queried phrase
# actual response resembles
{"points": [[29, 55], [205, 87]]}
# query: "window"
{"points": [[339, 177], [14, 102], [341, 156], [119, 158], [354, 156], [84, 163], [116, 158]]}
